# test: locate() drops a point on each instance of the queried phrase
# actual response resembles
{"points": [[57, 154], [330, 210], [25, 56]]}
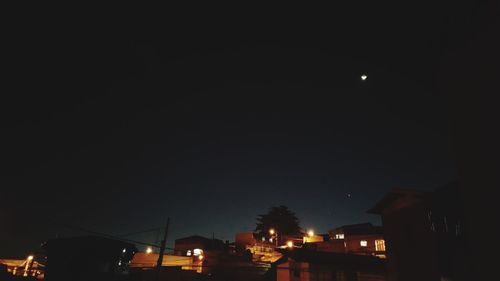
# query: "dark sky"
{"points": [[115, 126]]}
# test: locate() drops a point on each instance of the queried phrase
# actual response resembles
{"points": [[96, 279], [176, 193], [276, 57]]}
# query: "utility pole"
{"points": [[162, 250]]}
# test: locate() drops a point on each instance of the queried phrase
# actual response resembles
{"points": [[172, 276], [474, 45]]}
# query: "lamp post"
{"points": [[29, 260]]}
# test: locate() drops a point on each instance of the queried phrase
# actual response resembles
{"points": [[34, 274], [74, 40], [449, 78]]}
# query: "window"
{"points": [[380, 245], [363, 243], [339, 236]]}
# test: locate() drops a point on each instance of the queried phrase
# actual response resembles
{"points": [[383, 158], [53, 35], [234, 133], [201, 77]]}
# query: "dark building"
{"points": [[424, 234], [304, 265], [87, 258]]}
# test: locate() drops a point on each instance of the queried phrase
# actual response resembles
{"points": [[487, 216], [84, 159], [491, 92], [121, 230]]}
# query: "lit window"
{"points": [[197, 252], [380, 245], [339, 236], [188, 253], [363, 243]]}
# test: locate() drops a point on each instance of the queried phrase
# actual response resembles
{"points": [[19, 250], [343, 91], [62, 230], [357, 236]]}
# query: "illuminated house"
{"points": [[361, 239], [149, 260], [424, 232], [196, 245], [263, 251], [208, 251]]}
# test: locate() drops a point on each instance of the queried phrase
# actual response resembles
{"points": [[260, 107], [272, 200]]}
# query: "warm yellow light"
{"points": [[30, 258], [272, 231], [200, 258], [289, 244], [149, 250], [310, 233]]}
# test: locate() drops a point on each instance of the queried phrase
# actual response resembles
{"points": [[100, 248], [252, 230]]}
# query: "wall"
{"points": [[353, 245], [410, 245]]}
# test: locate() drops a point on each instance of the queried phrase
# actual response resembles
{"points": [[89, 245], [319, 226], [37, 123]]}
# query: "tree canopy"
{"points": [[281, 219]]}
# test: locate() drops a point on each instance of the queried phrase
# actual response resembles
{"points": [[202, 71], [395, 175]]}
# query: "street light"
{"points": [[28, 264], [272, 231], [310, 233], [149, 250], [289, 244]]}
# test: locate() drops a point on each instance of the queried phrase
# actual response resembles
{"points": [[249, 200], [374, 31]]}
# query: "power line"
{"points": [[140, 232], [114, 237]]}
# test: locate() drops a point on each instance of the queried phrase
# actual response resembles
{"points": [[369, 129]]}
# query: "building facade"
{"points": [[424, 232], [308, 265], [361, 239]]}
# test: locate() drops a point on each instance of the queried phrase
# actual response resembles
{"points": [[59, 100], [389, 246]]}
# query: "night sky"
{"points": [[113, 127]]}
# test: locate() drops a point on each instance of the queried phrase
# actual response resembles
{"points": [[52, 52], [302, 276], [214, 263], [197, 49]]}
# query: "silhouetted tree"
{"points": [[281, 219]]}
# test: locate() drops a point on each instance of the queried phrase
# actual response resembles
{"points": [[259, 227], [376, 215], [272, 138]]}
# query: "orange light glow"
{"points": [[200, 257], [289, 244], [272, 231], [149, 250], [310, 233]]}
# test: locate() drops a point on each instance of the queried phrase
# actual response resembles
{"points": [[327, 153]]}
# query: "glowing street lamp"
{"points": [[289, 244], [149, 250], [273, 232], [28, 263], [310, 233]]}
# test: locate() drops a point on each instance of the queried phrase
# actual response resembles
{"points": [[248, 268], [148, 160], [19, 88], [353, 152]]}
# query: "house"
{"points": [[424, 233], [206, 252], [361, 239], [149, 260], [301, 264], [195, 245], [263, 251], [245, 240]]}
